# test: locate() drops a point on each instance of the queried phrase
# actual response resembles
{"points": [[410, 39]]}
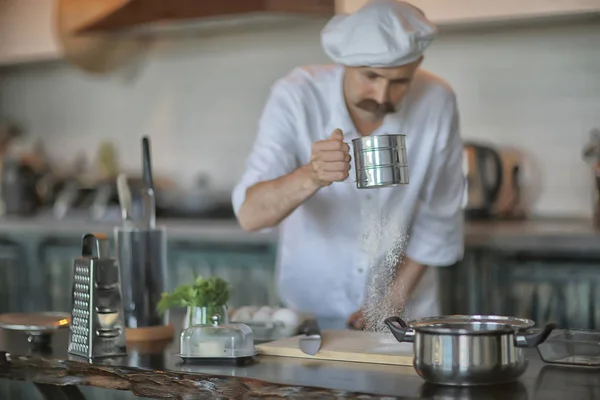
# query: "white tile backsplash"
{"points": [[199, 99]]}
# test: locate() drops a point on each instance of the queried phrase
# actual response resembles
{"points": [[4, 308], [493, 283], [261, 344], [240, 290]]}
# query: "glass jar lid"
{"points": [[217, 341]]}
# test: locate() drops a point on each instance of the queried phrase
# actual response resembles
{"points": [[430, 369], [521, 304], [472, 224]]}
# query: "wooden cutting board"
{"points": [[356, 346]]}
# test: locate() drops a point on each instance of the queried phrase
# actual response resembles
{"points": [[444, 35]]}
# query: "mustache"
{"points": [[375, 107]]}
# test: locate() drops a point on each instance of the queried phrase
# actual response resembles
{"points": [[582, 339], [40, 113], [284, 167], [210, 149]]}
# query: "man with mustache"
{"points": [[375, 87]]}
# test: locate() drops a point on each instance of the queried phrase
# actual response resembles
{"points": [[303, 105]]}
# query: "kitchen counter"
{"points": [[544, 234], [154, 371], [181, 229], [560, 234]]}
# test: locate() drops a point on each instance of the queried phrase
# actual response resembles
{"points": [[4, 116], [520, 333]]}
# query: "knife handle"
{"points": [[147, 164], [310, 327]]}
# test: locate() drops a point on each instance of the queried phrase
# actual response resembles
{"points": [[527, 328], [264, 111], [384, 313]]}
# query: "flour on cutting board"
{"points": [[384, 237], [388, 344], [393, 348]]}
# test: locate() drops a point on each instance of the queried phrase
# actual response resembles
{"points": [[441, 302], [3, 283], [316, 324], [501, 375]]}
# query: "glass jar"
{"points": [[204, 316]]}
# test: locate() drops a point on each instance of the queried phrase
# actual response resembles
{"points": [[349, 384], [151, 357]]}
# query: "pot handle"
{"points": [[531, 340], [399, 329]]}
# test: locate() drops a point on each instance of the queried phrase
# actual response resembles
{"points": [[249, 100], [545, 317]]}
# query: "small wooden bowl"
{"points": [[150, 333]]}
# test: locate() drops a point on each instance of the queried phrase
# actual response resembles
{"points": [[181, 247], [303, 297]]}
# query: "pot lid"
{"points": [[448, 320], [472, 328]]}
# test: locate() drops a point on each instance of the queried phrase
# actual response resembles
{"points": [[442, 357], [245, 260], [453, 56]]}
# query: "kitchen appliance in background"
{"points": [[17, 177], [510, 201], [201, 200], [33, 184], [18, 188], [8, 132], [87, 190], [591, 153], [483, 169], [493, 182]]}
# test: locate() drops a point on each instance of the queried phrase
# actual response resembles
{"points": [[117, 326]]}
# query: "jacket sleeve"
{"points": [[436, 236], [274, 151]]}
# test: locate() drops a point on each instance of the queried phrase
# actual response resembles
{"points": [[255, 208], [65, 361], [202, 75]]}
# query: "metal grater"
{"points": [[97, 325]]}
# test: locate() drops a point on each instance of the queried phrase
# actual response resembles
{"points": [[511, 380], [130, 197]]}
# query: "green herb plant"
{"points": [[204, 292]]}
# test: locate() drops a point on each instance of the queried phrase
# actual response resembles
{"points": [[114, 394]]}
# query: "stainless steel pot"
{"points": [[467, 353], [380, 161]]}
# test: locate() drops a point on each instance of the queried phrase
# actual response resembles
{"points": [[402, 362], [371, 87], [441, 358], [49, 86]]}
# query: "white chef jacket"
{"points": [[321, 263]]}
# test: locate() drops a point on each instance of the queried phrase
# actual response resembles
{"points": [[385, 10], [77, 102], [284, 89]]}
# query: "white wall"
{"points": [[199, 99]]}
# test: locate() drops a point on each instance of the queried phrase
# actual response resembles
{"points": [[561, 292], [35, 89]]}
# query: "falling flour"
{"points": [[384, 238]]}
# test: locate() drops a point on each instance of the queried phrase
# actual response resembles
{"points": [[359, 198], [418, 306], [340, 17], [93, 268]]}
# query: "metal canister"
{"points": [[380, 161]]}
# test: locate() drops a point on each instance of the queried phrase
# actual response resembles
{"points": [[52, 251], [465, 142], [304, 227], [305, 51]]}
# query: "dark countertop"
{"points": [[559, 234], [154, 371]]}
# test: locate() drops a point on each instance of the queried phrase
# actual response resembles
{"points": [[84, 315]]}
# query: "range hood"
{"points": [[97, 16]]}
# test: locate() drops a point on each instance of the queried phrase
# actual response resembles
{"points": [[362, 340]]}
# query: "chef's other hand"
{"points": [[357, 321], [330, 159]]}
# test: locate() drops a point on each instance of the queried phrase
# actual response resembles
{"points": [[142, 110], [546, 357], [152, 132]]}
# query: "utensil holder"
{"points": [[142, 255]]}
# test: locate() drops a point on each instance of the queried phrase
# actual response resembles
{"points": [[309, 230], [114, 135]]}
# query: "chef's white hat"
{"points": [[383, 33]]}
